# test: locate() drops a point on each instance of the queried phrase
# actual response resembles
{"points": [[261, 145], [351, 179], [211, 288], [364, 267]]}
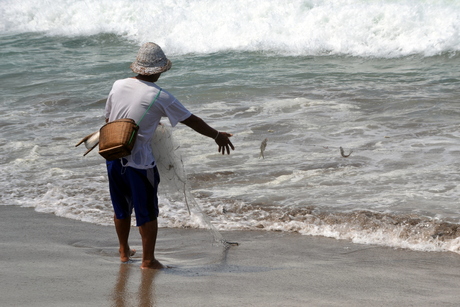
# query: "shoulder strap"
{"points": [[139, 122], [151, 104]]}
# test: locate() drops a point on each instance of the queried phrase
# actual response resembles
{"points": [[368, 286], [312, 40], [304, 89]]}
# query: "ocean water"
{"points": [[379, 79]]}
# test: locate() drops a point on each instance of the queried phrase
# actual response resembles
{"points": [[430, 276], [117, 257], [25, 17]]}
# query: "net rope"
{"points": [[174, 177]]}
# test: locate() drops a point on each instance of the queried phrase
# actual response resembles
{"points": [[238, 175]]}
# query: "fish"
{"points": [[263, 145], [343, 153], [90, 141]]}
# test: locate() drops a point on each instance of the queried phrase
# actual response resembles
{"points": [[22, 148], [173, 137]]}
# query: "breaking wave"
{"points": [[298, 27]]}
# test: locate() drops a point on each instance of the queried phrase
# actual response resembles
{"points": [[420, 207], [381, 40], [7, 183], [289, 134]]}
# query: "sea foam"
{"points": [[297, 27]]}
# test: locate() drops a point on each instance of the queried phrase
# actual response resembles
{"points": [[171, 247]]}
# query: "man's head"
{"points": [[150, 60]]}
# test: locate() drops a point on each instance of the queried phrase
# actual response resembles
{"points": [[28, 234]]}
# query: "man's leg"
{"points": [[148, 233], [120, 194], [123, 226]]}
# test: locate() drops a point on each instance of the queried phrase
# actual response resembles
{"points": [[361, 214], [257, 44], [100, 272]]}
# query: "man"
{"points": [[134, 179]]}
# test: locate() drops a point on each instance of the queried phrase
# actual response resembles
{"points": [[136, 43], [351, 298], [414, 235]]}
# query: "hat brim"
{"points": [[151, 70]]}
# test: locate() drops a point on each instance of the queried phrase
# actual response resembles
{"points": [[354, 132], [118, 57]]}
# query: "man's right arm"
{"points": [[200, 126]]}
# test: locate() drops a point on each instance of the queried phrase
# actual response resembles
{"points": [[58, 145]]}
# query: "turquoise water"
{"points": [[303, 74]]}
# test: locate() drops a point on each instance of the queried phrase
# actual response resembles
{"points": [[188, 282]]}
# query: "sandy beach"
{"points": [[51, 261]]}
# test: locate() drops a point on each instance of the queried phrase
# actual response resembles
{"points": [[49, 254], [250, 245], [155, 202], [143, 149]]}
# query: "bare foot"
{"points": [[125, 256], [152, 264]]}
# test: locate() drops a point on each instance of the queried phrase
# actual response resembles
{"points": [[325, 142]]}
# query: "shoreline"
{"points": [[54, 261]]}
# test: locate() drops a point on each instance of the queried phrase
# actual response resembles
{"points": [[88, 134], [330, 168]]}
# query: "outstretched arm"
{"points": [[200, 126]]}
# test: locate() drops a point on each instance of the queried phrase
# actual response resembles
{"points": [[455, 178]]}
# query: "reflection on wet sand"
{"points": [[123, 295]]}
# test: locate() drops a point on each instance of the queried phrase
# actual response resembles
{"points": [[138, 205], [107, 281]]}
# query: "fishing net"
{"points": [[174, 178]]}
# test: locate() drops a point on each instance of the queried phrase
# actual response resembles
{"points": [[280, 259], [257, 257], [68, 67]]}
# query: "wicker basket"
{"points": [[117, 138]]}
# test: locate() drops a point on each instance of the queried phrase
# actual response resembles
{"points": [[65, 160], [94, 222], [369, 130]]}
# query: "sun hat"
{"points": [[150, 60]]}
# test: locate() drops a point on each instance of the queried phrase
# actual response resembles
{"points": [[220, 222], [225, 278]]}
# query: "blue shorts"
{"points": [[132, 188]]}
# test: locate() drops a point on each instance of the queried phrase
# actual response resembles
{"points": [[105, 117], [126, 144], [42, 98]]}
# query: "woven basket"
{"points": [[117, 138]]}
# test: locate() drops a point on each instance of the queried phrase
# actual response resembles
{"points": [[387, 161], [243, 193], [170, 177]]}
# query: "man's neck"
{"points": [[150, 78]]}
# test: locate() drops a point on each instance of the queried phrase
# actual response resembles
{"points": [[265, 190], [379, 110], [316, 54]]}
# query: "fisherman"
{"points": [[133, 180]]}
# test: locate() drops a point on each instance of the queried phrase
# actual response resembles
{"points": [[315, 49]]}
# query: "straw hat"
{"points": [[150, 60]]}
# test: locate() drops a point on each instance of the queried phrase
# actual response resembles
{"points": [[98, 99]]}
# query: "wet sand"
{"points": [[52, 261]]}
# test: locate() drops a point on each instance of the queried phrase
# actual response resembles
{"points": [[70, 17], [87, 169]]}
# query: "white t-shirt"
{"points": [[129, 98]]}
